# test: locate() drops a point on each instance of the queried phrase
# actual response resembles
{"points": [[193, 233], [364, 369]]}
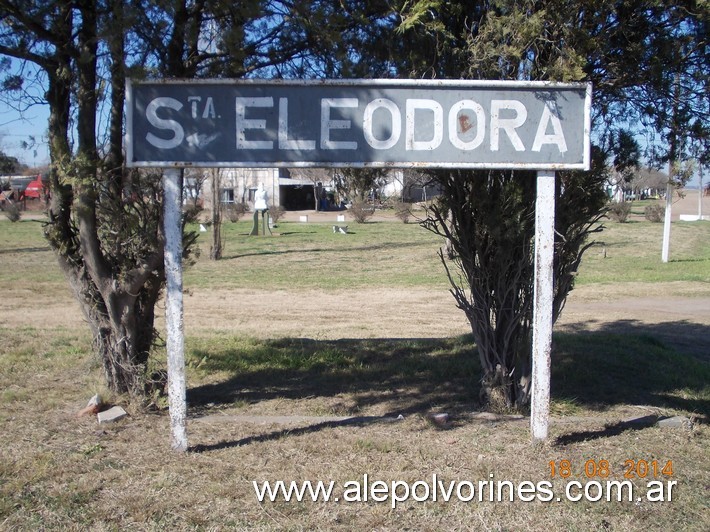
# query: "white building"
{"points": [[292, 189], [238, 185]]}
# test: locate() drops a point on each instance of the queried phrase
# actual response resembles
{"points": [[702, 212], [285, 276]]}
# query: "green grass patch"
{"points": [[393, 254], [631, 252], [404, 255], [310, 255]]}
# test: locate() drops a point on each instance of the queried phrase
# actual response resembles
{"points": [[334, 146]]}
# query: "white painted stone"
{"points": [[95, 401]]}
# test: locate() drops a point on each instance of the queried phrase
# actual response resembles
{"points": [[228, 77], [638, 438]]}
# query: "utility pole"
{"points": [[216, 248], [665, 253], [672, 171], [700, 193]]}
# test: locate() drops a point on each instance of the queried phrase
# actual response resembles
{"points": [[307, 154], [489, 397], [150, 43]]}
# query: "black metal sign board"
{"points": [[376, 123]]}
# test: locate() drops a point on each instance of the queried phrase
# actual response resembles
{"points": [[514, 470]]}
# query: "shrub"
{"points": [[276, 212], [12, 211], [619, 212], [191, 212], [654, 213], [235, 211], [403, 210], [361, 211]]}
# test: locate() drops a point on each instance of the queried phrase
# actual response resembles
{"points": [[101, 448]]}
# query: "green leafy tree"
{"points": [[105, 221], [669, 99], [356, 184], [8, 165], [486, 216], [108, 245]]}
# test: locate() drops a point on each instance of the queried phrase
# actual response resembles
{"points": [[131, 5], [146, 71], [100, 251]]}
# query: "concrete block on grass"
{"points": [[112, 414]]}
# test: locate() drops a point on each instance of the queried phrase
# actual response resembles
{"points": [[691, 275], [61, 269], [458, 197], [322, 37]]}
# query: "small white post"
{"points": [[542, 304], [172, 224]]}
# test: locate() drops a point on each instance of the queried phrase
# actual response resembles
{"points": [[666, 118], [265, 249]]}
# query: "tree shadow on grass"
{"points": [[621, 363], [359, 421], [26, 250], [334, 249], [665, 365], [609, 430], [403, 375]]}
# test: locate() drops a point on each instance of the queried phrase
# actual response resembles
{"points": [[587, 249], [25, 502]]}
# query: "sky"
{"points": [[14, 130], [16, 127]]}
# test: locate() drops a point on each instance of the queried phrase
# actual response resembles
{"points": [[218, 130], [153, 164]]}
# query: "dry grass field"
{"points": [[315, 356]]}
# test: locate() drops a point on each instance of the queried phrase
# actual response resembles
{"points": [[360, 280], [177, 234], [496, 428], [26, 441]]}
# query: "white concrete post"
{"points": [[172, 224], [542, 304]]}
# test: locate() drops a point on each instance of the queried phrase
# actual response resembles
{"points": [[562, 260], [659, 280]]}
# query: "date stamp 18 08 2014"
{"points": [[602, 469]]}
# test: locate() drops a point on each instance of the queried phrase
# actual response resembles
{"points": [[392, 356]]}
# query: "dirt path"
{"points": [[677, 313], [389, 313], [683, 323]]}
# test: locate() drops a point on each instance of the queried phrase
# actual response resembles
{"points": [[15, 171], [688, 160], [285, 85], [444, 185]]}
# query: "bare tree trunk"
{"points": [[217, 243], [493, 286], [105, 225], [123, 343]]}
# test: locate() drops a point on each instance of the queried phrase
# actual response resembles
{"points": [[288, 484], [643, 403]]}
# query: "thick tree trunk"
{"points": [[116, 288], [115, 346], [123, 347], [122, 332]]}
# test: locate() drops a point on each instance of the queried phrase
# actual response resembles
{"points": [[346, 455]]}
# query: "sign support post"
{"points": [[543, 304], [172, 224]]}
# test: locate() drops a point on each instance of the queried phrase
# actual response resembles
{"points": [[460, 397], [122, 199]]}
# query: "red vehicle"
{"points": [[35, 188]]}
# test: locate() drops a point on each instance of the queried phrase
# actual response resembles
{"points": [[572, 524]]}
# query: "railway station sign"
{"points": [[359, 123], [367, 123]]}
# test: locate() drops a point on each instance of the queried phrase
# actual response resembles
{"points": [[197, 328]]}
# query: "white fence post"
{"points": [[542, 304], [172, 224]]}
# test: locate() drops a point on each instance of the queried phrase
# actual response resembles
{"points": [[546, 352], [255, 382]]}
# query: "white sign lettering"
{"points": [[327, 124], [395, 124], [244, 123], [416, 120], [151, 114]]}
